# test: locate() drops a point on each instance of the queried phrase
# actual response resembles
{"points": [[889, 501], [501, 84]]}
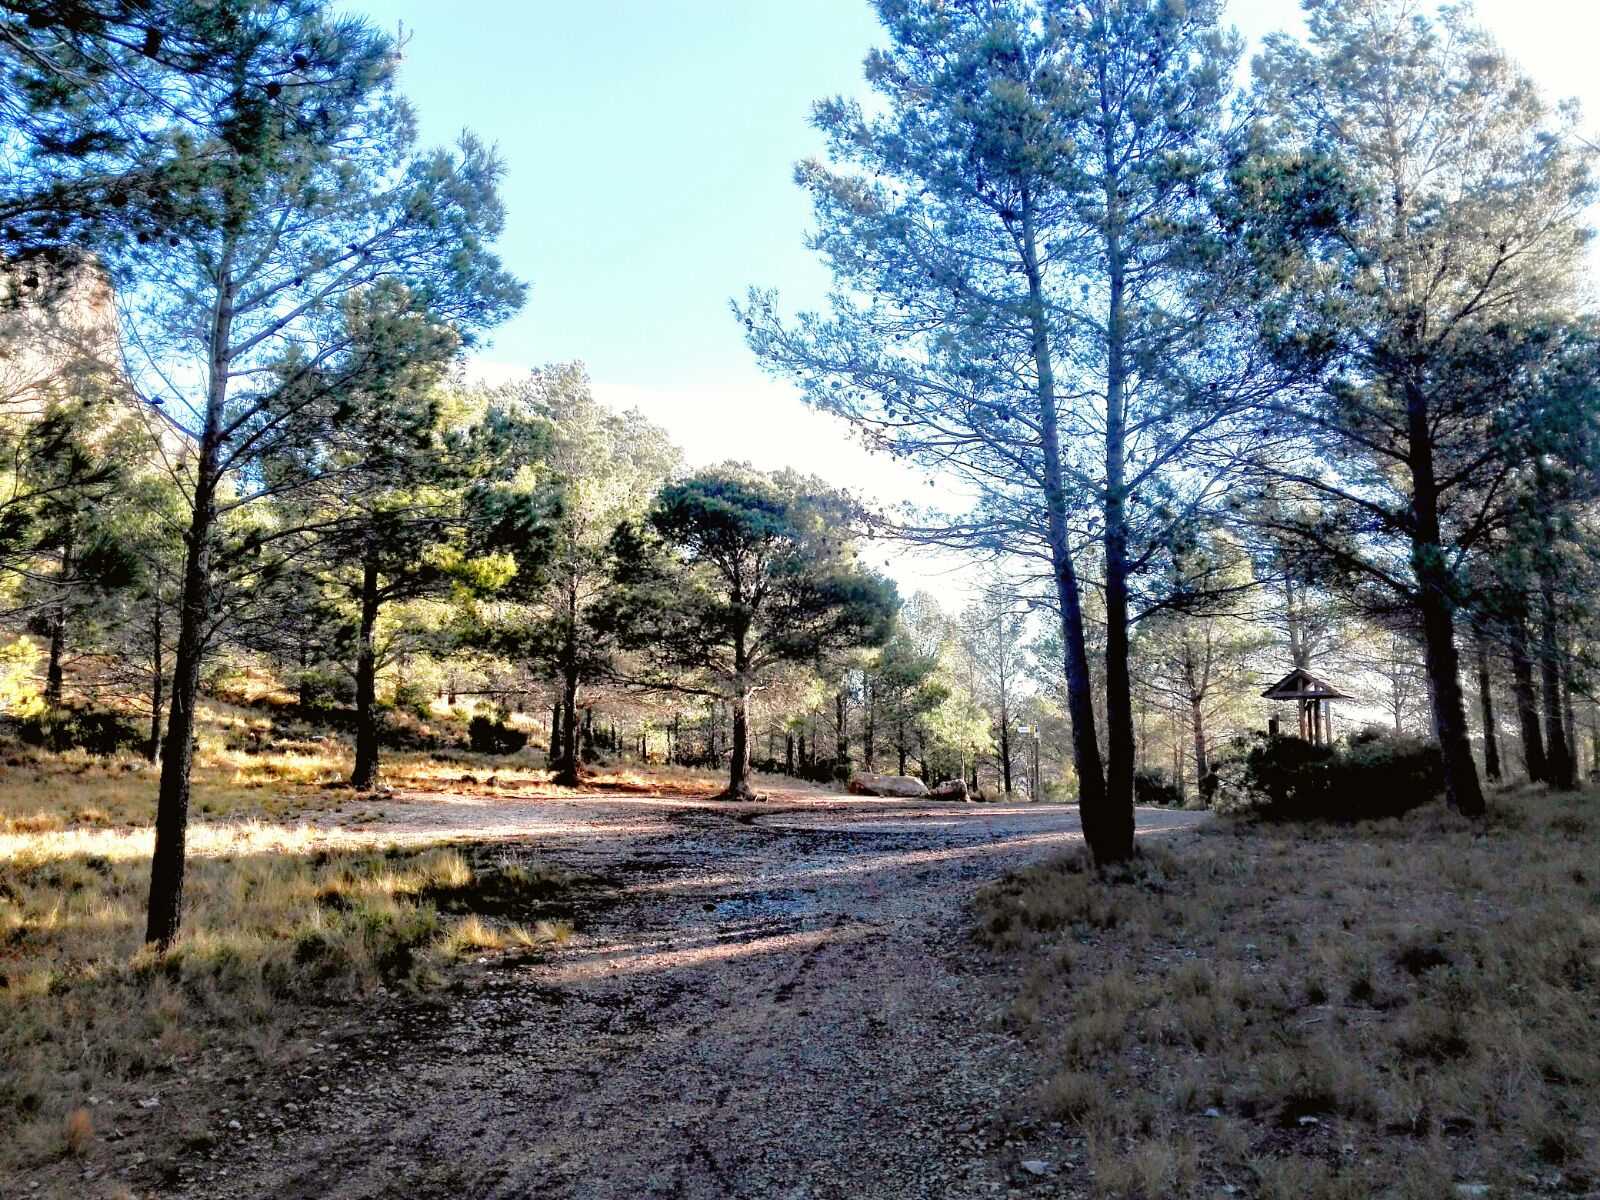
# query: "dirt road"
{"points": [[780, 1002]]}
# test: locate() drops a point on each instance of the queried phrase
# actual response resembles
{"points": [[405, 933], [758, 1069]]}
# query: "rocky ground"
{"points": [[762, 1000]]}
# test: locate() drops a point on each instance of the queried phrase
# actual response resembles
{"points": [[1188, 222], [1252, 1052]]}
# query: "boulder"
{"points": [[950, 789], [888, 785]]}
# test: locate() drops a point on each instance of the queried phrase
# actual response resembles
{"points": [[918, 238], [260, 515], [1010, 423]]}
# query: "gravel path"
{"points": [[778, 1003]]}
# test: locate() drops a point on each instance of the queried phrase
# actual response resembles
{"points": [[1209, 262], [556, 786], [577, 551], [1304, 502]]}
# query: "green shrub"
{"points": [[1373, 775], [487, 736], [413, 698], [1151, 786], [95, 730], [322, 690]]}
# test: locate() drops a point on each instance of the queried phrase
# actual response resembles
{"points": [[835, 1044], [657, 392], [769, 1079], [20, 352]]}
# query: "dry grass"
{"points": [[282, 921], [1403, 1009]]}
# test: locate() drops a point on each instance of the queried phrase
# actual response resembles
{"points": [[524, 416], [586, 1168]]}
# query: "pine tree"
{"points": [[1029, 299], [1411, 200], [731, 577], [318, 195]]}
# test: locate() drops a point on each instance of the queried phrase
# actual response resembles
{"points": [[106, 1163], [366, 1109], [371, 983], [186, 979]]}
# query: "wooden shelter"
{"points": [[1315, 699]]}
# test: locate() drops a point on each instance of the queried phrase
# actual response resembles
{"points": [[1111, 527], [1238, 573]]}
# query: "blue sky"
{"points": [[649, 148]]}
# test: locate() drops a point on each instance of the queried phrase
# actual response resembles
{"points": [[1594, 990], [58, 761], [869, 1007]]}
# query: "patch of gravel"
{"points": [[776, 1002]]}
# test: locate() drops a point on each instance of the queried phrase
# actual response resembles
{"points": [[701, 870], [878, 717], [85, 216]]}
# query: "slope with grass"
{"points": [[1402, 1008]]}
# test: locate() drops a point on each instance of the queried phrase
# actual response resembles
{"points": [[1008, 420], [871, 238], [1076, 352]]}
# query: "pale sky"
{"points": [[649, 147]]}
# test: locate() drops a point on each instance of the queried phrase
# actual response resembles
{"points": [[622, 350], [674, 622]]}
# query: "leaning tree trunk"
{"points": [[1558, 755], [1491, 741], [1462, 789], [365, 775], [1109, 835]]}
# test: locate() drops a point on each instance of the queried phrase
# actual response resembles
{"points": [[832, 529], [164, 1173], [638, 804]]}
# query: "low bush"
{"points": [[94, 730], [1151, 786], [411, 697], [488, 736], [1373, 775]]}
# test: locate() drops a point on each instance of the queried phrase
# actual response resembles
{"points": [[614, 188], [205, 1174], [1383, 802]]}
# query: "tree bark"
{"points": [[1107, 830], [1491, 740], [1005, 750], [1202, 764], [869, 753], [1573, 752], [54, 674], [567, 774], [1558, 756], [739, 760], [555, 733], [841, 732], [1462, 790], [1527, 704], [165, 907], [365, 775]]}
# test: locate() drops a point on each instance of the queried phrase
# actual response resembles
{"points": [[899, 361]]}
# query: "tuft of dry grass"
{"points": [[1404, 1008]]}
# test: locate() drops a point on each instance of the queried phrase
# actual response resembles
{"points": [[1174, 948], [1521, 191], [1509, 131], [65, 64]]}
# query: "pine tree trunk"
{"points": [[567, 761], [1118, 823], [365, 775], [869, 750], [1102, 826], [900, 743], [555, 734], [172, 802], [1005, 751], [1527, 704], [841, 732], [1202, 763], [1462, 789], [739, 761], [165, 907], [788, 753], [55, 671], [1558, 756], [1573, 751], [1491, 740]]}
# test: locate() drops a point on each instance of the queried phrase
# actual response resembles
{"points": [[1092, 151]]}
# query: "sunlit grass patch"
{"points": [[1395, 1009], [279, 921]]}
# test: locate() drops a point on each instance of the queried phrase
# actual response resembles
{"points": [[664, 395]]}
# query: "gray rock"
{"points": [[903, 786]]}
